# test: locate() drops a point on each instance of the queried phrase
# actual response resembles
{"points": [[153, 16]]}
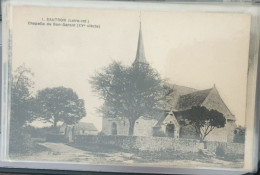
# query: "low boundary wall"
{"points": [[155, 144]]}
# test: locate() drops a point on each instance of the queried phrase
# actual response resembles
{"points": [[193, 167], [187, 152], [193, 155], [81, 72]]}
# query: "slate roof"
{"points": [[193, 99], [183, 98], [209, 98], [174, 93]]}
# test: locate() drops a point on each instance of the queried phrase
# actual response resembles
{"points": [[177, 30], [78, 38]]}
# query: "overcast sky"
{"points": [[196, 50]]}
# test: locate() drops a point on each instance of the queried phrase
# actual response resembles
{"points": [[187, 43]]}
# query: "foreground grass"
{"points": [[110, 155]]}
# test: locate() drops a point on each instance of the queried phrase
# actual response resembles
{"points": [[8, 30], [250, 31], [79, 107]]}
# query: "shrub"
{"points": [[38, 132], [239, 135], [20, 143]]}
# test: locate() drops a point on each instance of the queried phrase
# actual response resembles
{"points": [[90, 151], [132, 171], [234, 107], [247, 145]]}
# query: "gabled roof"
{"points": [[193, 99], [175, 91], [160, 121], [164, 118], [208, 98], [85, 126]]}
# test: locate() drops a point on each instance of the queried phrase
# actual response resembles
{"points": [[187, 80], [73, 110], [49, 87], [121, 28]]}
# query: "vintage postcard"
{"points": [[129, 87]]}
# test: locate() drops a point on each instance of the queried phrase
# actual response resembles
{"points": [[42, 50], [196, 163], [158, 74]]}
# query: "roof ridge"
{"points": [[172, 84], [210, 89]]}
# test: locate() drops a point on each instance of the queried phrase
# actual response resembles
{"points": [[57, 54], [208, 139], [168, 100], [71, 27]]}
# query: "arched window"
{"points": [[170, 130], [114, 129]]}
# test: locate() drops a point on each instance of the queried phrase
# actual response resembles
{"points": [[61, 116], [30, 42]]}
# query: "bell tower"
{"points": [[140, 54]]}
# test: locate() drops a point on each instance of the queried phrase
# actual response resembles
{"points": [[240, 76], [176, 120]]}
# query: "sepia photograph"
{"points": [[129, 87]]}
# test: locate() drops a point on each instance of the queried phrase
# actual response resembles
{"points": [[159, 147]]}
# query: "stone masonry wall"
{"points": [[157, 144], [228, 148]]}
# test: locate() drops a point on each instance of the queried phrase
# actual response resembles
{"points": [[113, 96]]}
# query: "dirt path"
{"points": [[61, 148], [64, 153]]}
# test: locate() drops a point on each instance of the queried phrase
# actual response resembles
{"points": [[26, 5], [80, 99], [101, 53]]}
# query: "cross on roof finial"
{"points": [[140, 17]]}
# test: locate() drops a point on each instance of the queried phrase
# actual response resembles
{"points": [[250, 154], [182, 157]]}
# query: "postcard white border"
{"points": [[251, 135]]}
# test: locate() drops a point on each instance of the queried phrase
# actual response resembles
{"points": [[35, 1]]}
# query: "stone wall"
{"points": [[122, 142], [228, 148], [155, 144], [167, 143]]}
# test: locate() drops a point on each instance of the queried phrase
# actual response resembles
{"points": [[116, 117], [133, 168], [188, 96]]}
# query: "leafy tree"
{"points": [[60, 104], [21, 97], [21, 109], [204, 120], [129, 92]]}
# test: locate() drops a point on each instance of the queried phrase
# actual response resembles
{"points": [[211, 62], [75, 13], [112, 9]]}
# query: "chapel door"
{"points": [[170, 130], [114, 129]]}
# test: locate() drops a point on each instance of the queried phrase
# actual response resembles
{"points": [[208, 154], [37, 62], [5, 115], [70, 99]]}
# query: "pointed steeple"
{"points": [[140, 55]]}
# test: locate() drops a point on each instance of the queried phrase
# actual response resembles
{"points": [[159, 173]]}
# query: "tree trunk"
{"points": [[131, 127], [204, 144], [55, 126]]}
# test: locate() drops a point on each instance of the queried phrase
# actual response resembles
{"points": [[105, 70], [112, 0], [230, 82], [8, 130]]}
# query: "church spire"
{"points": [[140, 55]]}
